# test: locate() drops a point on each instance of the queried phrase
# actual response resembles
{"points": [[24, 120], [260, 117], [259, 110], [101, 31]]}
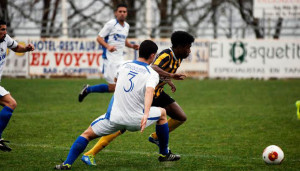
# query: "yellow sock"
{"points": [[172, 123], [102, 143]]}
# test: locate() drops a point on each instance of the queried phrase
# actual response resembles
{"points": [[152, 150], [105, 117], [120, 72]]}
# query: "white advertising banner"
{"points": [[277, 8], [254, 59], [65, 57], [213, 58], [16, 63]]}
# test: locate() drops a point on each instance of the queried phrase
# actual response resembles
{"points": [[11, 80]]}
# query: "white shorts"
{"points": [[109, 70], [3, 92], [102, 126]]}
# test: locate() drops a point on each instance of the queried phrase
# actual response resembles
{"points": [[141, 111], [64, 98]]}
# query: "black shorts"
{"points": [[162, 100]]}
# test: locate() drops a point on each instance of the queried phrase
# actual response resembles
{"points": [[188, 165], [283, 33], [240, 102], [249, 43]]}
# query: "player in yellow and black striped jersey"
{"points": [[169, 63], [166, 64]]}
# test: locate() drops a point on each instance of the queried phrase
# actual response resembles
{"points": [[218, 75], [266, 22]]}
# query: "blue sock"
{"points": [[100, 88], [162, 132], [5, 115], [77, 148]]}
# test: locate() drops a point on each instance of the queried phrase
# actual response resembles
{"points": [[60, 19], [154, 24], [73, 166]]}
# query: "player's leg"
{"points": [[162, 130], [77, 148], [298, 108], [98, 128], [109, 72], [88, 157], [176, 113], [9, 104]]}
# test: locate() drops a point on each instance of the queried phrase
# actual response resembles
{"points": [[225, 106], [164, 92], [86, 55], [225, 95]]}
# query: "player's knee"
{"points": [[12, 104], [89, 134], [163, 114], [122, 131], [183, 118], [111, 87]]}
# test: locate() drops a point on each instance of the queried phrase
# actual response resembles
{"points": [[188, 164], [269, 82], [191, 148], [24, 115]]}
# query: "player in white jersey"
{"points": [[113, 38], [130, 107], [6, 100]]}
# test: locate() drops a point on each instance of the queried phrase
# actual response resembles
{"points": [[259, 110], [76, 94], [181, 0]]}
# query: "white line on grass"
{"points": [[131, 151]]}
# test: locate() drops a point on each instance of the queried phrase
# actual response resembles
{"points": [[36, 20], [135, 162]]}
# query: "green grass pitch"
{"points": [[229, 124]]}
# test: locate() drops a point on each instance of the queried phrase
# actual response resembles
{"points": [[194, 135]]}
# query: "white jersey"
{"points": [[127, 105], [114, 34], [7, 43]]}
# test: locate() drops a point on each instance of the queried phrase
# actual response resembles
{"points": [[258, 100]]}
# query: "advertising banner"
{"points": [[277, 8], [83, 57], [208, 58], [254, 59], [65, 57]]}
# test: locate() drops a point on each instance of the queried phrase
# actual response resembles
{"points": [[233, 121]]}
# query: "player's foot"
{"points": [[89, 160], [83, 93], [3, 146], [153, 140], [63, 167], [168, 157], [298, 108]]}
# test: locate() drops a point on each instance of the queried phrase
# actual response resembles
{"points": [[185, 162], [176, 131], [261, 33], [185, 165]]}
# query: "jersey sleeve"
{"points": [[11, 43], [162, 60], [107, 28], [153, 80]]}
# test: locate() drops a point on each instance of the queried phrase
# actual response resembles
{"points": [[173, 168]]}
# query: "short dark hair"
{"points": [[2, 22], [121, 5], [181, 38], [147, 47]]}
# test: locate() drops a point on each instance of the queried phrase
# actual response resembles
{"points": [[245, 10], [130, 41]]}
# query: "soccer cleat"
{"points": [[89, 160], [63, 167], [169, 157], [152, 140], [83, 93], [3, 146], [298, 108]]}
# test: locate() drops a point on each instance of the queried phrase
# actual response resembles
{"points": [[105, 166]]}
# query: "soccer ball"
{"points": [[273, 155]]}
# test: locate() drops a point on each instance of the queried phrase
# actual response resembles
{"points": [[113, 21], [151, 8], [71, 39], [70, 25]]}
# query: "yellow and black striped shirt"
{"points": [[167, 61]]}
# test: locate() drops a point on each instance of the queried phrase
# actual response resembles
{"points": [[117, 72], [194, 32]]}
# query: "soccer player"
{"points": [[113, 38], [166, 64], [130, 107], [6, 100]]}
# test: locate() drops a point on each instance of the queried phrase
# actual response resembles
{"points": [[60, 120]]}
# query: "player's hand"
{"points": [[135, 47], [111, 48], [178, 76], [144, 122], [29, 47], [173, 87]]}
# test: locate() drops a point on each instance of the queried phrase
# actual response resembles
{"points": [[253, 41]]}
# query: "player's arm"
{"points": [[171, 84], [133, 46], [101, 41], [148, 101], [165, 74], [21, 48]]}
